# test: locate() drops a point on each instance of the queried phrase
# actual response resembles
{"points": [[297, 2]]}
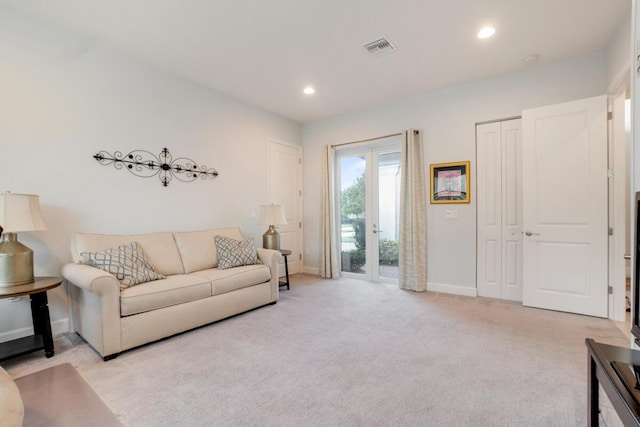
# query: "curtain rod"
{"points": [[366, 140]]}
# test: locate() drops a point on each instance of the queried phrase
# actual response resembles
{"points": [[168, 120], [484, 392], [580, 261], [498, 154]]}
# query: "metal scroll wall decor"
{"points": [[145, 165]]}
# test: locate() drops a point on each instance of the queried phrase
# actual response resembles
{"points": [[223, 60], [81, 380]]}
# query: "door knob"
{"points": [[528, 233]]}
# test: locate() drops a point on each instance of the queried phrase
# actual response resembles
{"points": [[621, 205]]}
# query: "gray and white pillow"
{"points": [[127, 262], [235, 253]]}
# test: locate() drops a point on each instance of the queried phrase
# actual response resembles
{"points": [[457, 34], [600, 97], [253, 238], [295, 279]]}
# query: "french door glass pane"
{"points": [[388, 211], [352, 214]]}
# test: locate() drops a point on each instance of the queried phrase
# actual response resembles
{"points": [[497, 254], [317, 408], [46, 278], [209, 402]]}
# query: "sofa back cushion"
{"points": [[160, 248], [198, 248]]}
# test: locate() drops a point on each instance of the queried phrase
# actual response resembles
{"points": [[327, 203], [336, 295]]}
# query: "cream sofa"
{"points": [[195, 292], [11, 406]]}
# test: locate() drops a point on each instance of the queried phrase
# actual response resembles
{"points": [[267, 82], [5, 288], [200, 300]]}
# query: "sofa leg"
{"points": [[273, 303], [110, 357]]}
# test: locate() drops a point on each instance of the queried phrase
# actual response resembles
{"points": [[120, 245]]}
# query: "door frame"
{"points": [[620, 205]]}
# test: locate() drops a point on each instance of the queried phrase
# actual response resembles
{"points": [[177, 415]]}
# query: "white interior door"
{"points": [[565, 207], [499, 190], [285, 188]]}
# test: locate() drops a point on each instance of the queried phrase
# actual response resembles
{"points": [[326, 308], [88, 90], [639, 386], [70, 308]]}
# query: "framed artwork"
{"points": [[450, 182]]}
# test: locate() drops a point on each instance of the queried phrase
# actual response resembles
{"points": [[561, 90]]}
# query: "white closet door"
{"points": [[499, 192], [511, 210], [489, 189]]}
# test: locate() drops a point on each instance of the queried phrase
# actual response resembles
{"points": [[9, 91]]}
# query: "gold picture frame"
{"points": [[450, 182]]}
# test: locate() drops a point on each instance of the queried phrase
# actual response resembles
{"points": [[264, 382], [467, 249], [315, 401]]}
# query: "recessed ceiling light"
{"points": [[309, 90], [531, 59], [486, 32]]}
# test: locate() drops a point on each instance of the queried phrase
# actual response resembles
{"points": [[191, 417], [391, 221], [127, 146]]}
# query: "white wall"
{"points": [[618, 58], [448, 118], [64, 98]]}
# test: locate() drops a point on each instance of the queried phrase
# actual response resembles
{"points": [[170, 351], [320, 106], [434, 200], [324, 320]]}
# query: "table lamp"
{"points": [[18, 212], [272, 215]]}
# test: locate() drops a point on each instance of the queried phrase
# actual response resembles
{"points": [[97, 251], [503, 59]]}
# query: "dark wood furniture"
{"points": [[613, 367], [42, 337], [285, 253]]}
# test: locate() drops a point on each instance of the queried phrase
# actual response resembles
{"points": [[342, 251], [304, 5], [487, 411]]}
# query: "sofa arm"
{"points": [[271, 258], [91, 278], [95, 307], [11, 406]]}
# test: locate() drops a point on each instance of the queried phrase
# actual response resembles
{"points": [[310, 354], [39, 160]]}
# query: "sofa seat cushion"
{"points": [[173, 290], [235, 278]]}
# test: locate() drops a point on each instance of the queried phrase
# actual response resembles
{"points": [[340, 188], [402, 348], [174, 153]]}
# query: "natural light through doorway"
{"points": [[369, 189]]}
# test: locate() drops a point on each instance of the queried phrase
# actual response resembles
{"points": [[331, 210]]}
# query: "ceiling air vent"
{"points": [[380, 46]]}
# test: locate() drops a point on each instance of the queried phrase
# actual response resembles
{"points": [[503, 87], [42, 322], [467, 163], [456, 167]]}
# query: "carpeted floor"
{"points": [[353, 353]]}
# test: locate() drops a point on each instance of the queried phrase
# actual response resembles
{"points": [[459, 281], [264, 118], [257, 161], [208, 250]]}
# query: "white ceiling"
{"points": [[265, 51]]}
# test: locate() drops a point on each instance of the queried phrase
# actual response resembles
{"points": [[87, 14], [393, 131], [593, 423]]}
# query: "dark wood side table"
{"points": [[42, 337], [614, 368], [285, 253]]}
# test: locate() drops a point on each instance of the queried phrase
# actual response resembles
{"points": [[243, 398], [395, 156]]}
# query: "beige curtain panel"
{"points": [[329, 267], [413, 215]]}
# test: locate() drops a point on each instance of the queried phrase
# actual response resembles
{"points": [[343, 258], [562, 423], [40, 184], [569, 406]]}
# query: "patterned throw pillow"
{"points": [[128, 263], [235, 253]]}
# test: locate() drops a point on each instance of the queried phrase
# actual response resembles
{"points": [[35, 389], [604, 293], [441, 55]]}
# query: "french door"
{"points": [[368, 206]]}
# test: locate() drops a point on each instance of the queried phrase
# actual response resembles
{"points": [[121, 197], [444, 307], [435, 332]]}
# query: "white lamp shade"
{"points": [[20, 212], [272, 215]]}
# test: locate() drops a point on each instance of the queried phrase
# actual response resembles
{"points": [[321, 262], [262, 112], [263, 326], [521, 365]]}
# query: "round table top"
{"points": [[285, 252], [39, 284]]}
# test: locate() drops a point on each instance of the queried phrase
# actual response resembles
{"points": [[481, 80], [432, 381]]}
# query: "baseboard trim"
{"points": [[431, 286], [58, 327], [452, 289]]}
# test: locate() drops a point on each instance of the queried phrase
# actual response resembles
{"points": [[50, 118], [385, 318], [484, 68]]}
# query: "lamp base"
{"points": [[271, 239], [16, 262]]}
